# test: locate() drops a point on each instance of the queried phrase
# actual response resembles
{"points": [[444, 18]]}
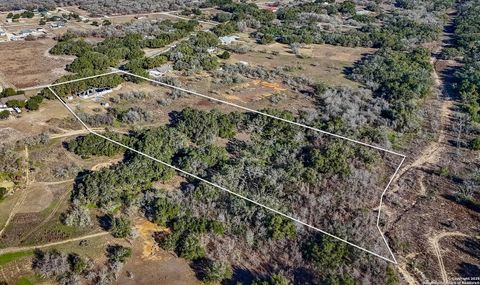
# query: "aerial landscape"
{"points": [[240, 142]]}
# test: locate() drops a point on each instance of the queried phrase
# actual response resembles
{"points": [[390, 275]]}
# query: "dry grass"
{"points": [[34, 123], [27, 63], [322, 63]]}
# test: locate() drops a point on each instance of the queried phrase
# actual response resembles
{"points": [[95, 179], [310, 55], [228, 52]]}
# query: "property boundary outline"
{"points": [[117, 71]]}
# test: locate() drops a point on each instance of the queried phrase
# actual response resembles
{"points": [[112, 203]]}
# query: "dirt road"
{"points": [[434, 242], [23, 194], [26, 248], [429, 157]]}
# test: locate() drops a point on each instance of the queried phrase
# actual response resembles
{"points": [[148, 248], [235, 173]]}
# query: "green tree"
{"points": [[275, 279], [3, 192], [224, 55], [217, 271], [475, 143], [121, 227], [326, 252], [190, 247], [7, 92], [77, 263], [118, 253], [34, 103], [280, 228], [16, 104], [392, 277]]}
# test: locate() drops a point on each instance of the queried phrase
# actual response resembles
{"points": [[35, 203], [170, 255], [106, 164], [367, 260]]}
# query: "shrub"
{"points": [[118, 253], [3, 192], [224, 55], [475, 143], [121, 227], [7, 92], [190, 247], [4, 115], [34, 103], [16, 104], [217, 271]]}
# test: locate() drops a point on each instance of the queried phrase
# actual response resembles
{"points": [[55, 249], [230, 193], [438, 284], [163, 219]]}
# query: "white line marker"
{"points": [[70, 81], [244, 197], [261, 113]]}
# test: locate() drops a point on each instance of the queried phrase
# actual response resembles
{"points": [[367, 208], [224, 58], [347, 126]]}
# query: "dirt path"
{"points": [[434, 242], [26, 248], [430, 155], [48, 218], [23, 194], [71, 133]]}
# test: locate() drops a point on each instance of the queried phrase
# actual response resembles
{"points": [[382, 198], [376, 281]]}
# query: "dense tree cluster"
{"points": [[97, 58], [400, 78], [93, 145], [108, 7], [268, 167], [194, 54], [467, 39]]}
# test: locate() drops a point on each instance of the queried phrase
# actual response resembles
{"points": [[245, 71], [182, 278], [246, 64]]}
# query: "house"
{"points": [[212, 50], [2, 33], [25, 33], [94, 92], [3, 101], [161, 70], [226, 40], [11, 110], [57, 24]]}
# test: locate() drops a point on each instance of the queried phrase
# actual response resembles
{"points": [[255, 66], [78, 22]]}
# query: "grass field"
{"points": [[9, 257]]}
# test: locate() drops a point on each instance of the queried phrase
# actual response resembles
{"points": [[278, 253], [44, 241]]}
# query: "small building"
{"points": [[25, 33], [2, 33], [57, 24], [212, 50], [4, 100], [94, 92], [161, 70], [11, 110], [226, 40]]}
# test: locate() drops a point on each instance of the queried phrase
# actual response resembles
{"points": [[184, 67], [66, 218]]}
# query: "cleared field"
{"points": [[33, 123], [27, 63], [322, 63]]}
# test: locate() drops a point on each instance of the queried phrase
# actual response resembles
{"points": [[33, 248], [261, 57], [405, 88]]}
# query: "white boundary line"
{"points": [[258, 112], [393, 260], [70, 81]]}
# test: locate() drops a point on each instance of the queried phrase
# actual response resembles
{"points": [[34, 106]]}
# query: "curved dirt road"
{"points": [[434, 242]]}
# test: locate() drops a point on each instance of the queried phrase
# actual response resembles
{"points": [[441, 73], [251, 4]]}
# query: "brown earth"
{"points": [[27, 63]]}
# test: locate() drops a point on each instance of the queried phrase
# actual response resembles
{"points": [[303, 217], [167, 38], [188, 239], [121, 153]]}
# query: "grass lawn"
{"points": [[24, 281], [9, 257]]}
